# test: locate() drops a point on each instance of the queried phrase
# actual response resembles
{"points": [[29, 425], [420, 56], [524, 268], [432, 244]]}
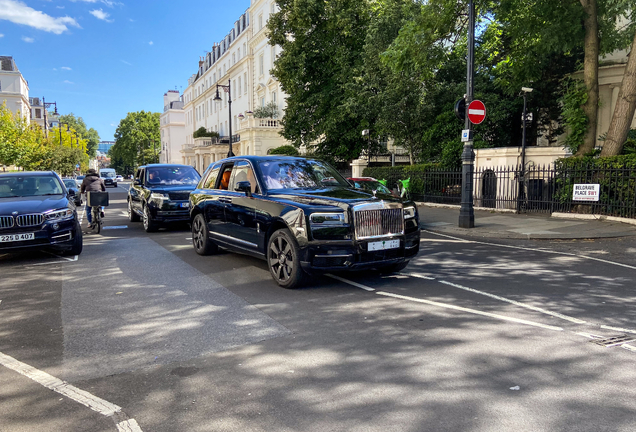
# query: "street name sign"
{"points": [[476, 112], [586, 192]]}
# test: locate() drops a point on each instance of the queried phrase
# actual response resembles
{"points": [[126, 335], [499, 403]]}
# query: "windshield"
{"points": [[172, 176], [29, 185], [371, 185], [70, 184], [300, 174], [107, 174]]}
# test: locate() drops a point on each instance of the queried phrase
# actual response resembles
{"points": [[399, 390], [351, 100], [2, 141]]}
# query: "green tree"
{"points": [[90, 135], [136, 141], [322, 45]]}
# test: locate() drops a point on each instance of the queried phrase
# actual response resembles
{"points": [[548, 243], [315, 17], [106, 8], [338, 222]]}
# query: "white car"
{"points": [[119, 178]]}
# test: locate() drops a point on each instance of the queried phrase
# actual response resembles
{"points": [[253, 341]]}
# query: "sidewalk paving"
{"points": [[490, 224]]}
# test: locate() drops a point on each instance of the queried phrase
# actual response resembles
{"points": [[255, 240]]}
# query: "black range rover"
{"points": [[301, 216], [37, 212], [160, 194]]}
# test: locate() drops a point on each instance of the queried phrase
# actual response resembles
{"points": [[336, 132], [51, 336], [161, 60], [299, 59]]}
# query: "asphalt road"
{"points": [[472, 336]]}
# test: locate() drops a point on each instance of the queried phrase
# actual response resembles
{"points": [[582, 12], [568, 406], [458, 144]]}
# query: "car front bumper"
{"points": [[46, 236]]}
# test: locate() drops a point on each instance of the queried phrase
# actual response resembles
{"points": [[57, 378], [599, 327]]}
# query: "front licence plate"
{"points": [[383, 245], [185, 205], [17, 237]]}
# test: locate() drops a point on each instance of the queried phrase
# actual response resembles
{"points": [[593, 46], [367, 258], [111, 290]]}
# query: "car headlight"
{"points": [[58, 215], [159, 196], [327, 219], [409, 212]]}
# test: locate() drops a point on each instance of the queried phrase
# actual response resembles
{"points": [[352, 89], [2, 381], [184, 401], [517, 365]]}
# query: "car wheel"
{"points": [[283, 260], [149, 224], [78, 242], [394, 268], [201, 237], [132, 216]]}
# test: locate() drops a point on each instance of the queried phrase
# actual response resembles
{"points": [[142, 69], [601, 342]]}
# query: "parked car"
{"points": [[301, 216], [73, 189], [79, 178], [160, 194], [36, 212], [370, 184]]}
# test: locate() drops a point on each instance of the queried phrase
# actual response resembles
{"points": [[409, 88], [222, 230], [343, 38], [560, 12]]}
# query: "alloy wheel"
{"points": [[281, 259], [198, 234]]}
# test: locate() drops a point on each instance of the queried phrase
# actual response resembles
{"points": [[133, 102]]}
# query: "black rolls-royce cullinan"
{"points": [[37, 212], [301, 216]]}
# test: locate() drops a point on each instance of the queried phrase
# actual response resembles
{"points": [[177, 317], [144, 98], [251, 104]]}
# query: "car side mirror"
{"points": [[351, 183], [244, 186], [72, 192], [137, 182]]}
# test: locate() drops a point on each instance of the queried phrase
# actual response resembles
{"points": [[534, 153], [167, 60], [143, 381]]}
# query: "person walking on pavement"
{"points": [[92, 183]]}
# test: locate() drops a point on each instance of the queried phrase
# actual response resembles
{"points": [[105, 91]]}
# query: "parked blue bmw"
{"points": [[37, 212]]}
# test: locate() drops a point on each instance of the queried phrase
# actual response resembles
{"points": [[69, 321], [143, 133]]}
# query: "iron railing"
{"points": [[541, 188]]}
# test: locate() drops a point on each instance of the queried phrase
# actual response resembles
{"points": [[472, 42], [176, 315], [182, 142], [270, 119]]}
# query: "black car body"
{"points": [[73, 190], [37, 212], [162, 200], [305, 220]]}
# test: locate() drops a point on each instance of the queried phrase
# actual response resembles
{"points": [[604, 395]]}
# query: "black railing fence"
{"points": [[541, 188]]}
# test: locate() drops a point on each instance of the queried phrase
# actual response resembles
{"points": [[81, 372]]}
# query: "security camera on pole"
{"points": [[466, 211]]}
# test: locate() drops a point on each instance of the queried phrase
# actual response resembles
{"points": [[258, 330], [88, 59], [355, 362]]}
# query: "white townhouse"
{"points": [[238, 67], [172, 127], [14, 89]]}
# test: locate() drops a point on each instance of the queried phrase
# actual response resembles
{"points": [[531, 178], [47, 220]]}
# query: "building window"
{"points": [[214, 77], [261, 66], [233, 58], [260, 21], [274, 96], [273, 55], [239, 86], [273, 9], [262, 101], [245, 81], [244, 48], [234, 89], [238, 52]]}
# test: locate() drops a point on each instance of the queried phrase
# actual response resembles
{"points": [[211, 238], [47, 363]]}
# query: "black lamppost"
{"points": [[466, 210], [45, 105], [522, 174], [217, 99]]}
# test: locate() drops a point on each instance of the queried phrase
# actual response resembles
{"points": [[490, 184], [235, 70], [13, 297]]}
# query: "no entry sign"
{"points": [[476, 112]]}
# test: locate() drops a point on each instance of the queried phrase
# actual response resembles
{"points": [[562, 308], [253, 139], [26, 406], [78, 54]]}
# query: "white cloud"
{"points": [[28, 39], [66, 68], [19, 13], [68, 82], [100, 14], [108, 3], [55, 69], [126, 63], [1, 35], [151, 43]]}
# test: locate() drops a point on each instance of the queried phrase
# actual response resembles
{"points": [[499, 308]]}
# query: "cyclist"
{"points": [[92, 183]]}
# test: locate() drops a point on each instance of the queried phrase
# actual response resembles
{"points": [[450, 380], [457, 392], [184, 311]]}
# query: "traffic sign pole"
{"points": [[467, 211]]}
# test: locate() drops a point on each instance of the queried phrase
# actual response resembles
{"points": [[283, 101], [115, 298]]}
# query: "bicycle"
{"points": [[96, 201], [404, 188]]}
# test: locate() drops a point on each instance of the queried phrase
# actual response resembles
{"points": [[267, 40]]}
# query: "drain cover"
{"points": [[614, 341]]}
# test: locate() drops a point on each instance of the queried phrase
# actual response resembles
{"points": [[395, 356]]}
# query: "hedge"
{"points": [[417, 174]]}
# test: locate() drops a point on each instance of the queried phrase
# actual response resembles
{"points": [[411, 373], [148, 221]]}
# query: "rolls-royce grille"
{"points": [[179, 196], [6, 221], [30, 220], [379, 223]]}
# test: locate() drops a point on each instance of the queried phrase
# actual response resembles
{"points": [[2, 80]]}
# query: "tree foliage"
{"points": [[136, 141], [90, 135]]}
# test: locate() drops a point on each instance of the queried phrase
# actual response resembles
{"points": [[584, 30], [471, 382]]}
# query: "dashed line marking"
{"points": [[93, 402], [355, 284]]}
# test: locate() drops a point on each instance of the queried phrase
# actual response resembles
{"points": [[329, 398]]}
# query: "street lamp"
{"points": [[45, 105], [217, 99], [522, 174]]}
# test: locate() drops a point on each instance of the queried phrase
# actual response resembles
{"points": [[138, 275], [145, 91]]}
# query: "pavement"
{"points": [[490, 224]]}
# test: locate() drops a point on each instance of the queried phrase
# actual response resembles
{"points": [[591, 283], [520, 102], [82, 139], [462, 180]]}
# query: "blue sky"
{"points": [[101, 59]]}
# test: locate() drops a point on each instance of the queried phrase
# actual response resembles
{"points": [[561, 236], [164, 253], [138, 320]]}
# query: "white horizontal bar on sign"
{"points": [[476, 111]]}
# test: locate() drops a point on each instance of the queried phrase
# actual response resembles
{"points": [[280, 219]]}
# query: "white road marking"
{"points": [[128, 426], [95, 403], [516, 303], [472, 311], [623, 330], [445, 305], [415, 275], [355, 284], [534, 250]]}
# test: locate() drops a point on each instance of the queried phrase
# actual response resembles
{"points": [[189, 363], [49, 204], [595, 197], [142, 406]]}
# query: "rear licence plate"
{"points": [[383, 245], [16, 237]]}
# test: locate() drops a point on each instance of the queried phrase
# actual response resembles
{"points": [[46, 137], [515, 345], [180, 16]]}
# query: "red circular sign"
{"points": [[476, 112]]}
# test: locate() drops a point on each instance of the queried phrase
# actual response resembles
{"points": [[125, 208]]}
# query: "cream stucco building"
{"points": [[241, 61], [14, 89], [172, 127]]}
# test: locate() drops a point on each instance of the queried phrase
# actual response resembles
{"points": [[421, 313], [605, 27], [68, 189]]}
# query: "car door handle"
{"points": [[225, 200]]}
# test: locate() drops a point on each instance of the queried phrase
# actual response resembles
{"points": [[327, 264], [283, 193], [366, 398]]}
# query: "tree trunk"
{"points": [[624, 109], [590, 75]]}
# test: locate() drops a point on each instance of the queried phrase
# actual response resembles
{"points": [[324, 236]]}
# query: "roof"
{"points": [[26, 173], [161, 165], [7, 64]]}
